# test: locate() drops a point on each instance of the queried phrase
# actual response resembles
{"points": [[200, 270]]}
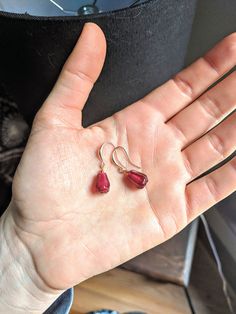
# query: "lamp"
{"points": [[146, 45]]}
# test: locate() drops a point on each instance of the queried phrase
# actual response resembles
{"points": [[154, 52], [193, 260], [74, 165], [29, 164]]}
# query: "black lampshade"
{"points": [[146, 45]]}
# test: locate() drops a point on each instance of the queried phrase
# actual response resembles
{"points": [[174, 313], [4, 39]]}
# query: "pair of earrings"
{"points": [[139, 179]]}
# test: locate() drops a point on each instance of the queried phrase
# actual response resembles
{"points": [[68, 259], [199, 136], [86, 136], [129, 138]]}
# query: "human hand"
{"points": [[73, 233]]}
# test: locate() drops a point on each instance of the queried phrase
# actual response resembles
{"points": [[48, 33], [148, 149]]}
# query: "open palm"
{"points": [[72, 231]]}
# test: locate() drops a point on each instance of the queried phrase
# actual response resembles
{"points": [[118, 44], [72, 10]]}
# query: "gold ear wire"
{"points": [[100, 154], [137, 178], [118, 163]]}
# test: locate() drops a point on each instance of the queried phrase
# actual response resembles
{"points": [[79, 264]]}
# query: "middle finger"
{"points": [[206, 112]]}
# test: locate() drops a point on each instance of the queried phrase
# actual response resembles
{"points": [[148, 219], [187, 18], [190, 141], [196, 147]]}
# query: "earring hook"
{"points": [[118, 163], [100, 154]]}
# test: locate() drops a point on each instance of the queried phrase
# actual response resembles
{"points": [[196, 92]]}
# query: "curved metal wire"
{"points": [[133, 4], [100, 153], [76, 12], [118, 163], [61, 8]]}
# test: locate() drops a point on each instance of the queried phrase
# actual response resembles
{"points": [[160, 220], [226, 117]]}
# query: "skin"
{"points": [[72, 232]]}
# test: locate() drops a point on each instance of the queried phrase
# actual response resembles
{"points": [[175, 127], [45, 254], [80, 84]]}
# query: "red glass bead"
{"points": [[103, 184], [138, 178]]}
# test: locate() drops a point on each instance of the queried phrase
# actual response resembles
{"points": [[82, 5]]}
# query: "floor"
{"points": [[125, 291]]}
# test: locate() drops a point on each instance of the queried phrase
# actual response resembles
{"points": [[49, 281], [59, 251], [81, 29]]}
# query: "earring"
{"points": [[139, 179], [102, 182]]}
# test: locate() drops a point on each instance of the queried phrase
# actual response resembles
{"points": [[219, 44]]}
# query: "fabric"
{"points": [[146, 45], [14, 132]]}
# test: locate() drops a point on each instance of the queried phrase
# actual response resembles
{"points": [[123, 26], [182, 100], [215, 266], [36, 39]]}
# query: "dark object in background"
{"points": [[146, 45], [13, 129], [13, 135], [170, 261]]}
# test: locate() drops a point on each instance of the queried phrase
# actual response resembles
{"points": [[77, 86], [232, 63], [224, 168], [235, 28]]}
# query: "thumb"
{"points": [[81, 70]]}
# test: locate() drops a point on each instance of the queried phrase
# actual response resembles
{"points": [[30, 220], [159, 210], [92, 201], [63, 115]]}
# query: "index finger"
{"points": [[190, 83]]}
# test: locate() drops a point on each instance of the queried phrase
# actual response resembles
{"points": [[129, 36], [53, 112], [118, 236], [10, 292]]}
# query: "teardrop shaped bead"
{"points": [[103, 184], [138, 178]]}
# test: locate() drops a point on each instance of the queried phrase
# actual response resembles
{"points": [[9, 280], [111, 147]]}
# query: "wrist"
{"points": [[21, 288]]}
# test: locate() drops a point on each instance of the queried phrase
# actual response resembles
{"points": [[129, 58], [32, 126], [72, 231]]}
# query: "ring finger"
{"points": [[211, 149]]}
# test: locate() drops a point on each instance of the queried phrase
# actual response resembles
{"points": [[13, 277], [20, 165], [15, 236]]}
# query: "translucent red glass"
{"points": [[138, 178], [103, 183]]}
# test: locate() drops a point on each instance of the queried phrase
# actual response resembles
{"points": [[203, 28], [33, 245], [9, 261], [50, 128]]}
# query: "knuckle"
{"points": [[217, 144], [212, 187], [208, 59], [188, 165], [211, 106], [183, 85], [79, 74]]}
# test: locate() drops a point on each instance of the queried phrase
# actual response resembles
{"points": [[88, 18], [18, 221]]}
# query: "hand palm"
{"points": [[76, 228]]}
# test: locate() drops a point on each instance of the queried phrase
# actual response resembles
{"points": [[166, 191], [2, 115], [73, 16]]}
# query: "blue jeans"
{"points": [[63, 304]]}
